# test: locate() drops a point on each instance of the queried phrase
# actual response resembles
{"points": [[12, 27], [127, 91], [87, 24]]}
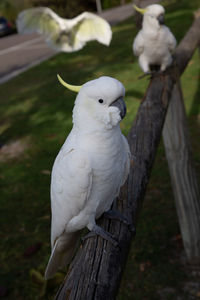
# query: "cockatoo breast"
{"points": [[156, 44], [108, 156]]}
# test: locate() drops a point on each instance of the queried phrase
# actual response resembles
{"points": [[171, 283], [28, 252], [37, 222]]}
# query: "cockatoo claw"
{"points": [[152, 74], [97, 230], [145, 75], [116, 215], [158, 73]]}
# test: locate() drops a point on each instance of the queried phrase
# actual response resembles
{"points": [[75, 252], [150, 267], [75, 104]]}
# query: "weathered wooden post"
{"points": [[96, 270], [183, 176], [99, 6], [181, 166]]}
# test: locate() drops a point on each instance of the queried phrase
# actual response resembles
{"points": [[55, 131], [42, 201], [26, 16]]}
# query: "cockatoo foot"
{"points": [[97, 230], [152, 74], [145, 74], [116, 215], [157, 73]]}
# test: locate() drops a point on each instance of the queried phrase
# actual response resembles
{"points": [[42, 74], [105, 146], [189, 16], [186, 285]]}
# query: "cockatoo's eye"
{"points": [[151, 16], [101, 101]]}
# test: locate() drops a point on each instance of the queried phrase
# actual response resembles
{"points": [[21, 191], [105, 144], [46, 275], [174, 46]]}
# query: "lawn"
{"points": [[35, 120]]}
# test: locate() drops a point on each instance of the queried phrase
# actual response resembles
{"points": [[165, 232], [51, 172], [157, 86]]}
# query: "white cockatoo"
{"points": [[90, 168], [154, 44], [66, 35]]}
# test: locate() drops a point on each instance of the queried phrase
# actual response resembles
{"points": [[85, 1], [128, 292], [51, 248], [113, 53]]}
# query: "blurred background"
{"points": [[65, 8]]}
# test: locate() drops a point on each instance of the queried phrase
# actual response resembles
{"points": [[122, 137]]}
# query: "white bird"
{"points": [[66, 35], [154, 44], [90, 168]]}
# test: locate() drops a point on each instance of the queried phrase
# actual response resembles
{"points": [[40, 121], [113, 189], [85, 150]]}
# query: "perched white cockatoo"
{"points": [[90, 168], [63, 34], [154, 44]]}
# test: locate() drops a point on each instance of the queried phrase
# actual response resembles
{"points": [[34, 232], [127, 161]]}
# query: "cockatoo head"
{"points": [[153, 15], [99, 103]]}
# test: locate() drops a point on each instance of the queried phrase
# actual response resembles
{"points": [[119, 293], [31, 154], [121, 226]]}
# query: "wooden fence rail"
{"points": [[96, 270]]}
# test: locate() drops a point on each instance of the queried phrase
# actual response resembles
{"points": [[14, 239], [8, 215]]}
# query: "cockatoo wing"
{"points": [[171, 41], [70, 189], [138, 44], [41, 20], [62, 34], [87, 27]]}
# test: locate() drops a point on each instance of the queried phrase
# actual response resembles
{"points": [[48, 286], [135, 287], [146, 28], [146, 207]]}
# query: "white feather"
{"points": [[66, 35], [90, 168], [154, 43]]}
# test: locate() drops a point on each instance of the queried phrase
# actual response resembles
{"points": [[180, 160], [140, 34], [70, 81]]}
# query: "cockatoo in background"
{"points": [[154, 44], [62, 34], [90, 168]]}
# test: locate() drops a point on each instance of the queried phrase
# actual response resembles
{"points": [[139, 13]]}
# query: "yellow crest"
{"points": [[140, 10], [73, 88]]}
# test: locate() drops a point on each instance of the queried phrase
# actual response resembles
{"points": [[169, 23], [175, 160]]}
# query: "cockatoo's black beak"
{"points": [[119, 103], [161, 19]]}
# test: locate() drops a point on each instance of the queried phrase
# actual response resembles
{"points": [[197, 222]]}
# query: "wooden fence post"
{"points": [[183, 176]]}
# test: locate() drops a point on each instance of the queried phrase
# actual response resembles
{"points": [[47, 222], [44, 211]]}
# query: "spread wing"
{"points": [[87, 27], [70, 188], [41, 20], [62, 34], [138, 44]]}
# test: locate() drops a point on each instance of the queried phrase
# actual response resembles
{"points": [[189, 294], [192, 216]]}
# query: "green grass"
{"points": [[36, 111]]}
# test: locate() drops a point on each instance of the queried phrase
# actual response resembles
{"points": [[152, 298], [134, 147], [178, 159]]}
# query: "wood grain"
{"points": [[183, 176]]}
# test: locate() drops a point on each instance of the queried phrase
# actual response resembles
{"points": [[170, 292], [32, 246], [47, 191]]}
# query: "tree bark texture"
{"points": [[96, 270], [183, 176]]}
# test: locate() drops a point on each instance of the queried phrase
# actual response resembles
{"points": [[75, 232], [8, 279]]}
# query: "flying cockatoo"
{"points": [[154, 44], [62, 34], [90, 168]]}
